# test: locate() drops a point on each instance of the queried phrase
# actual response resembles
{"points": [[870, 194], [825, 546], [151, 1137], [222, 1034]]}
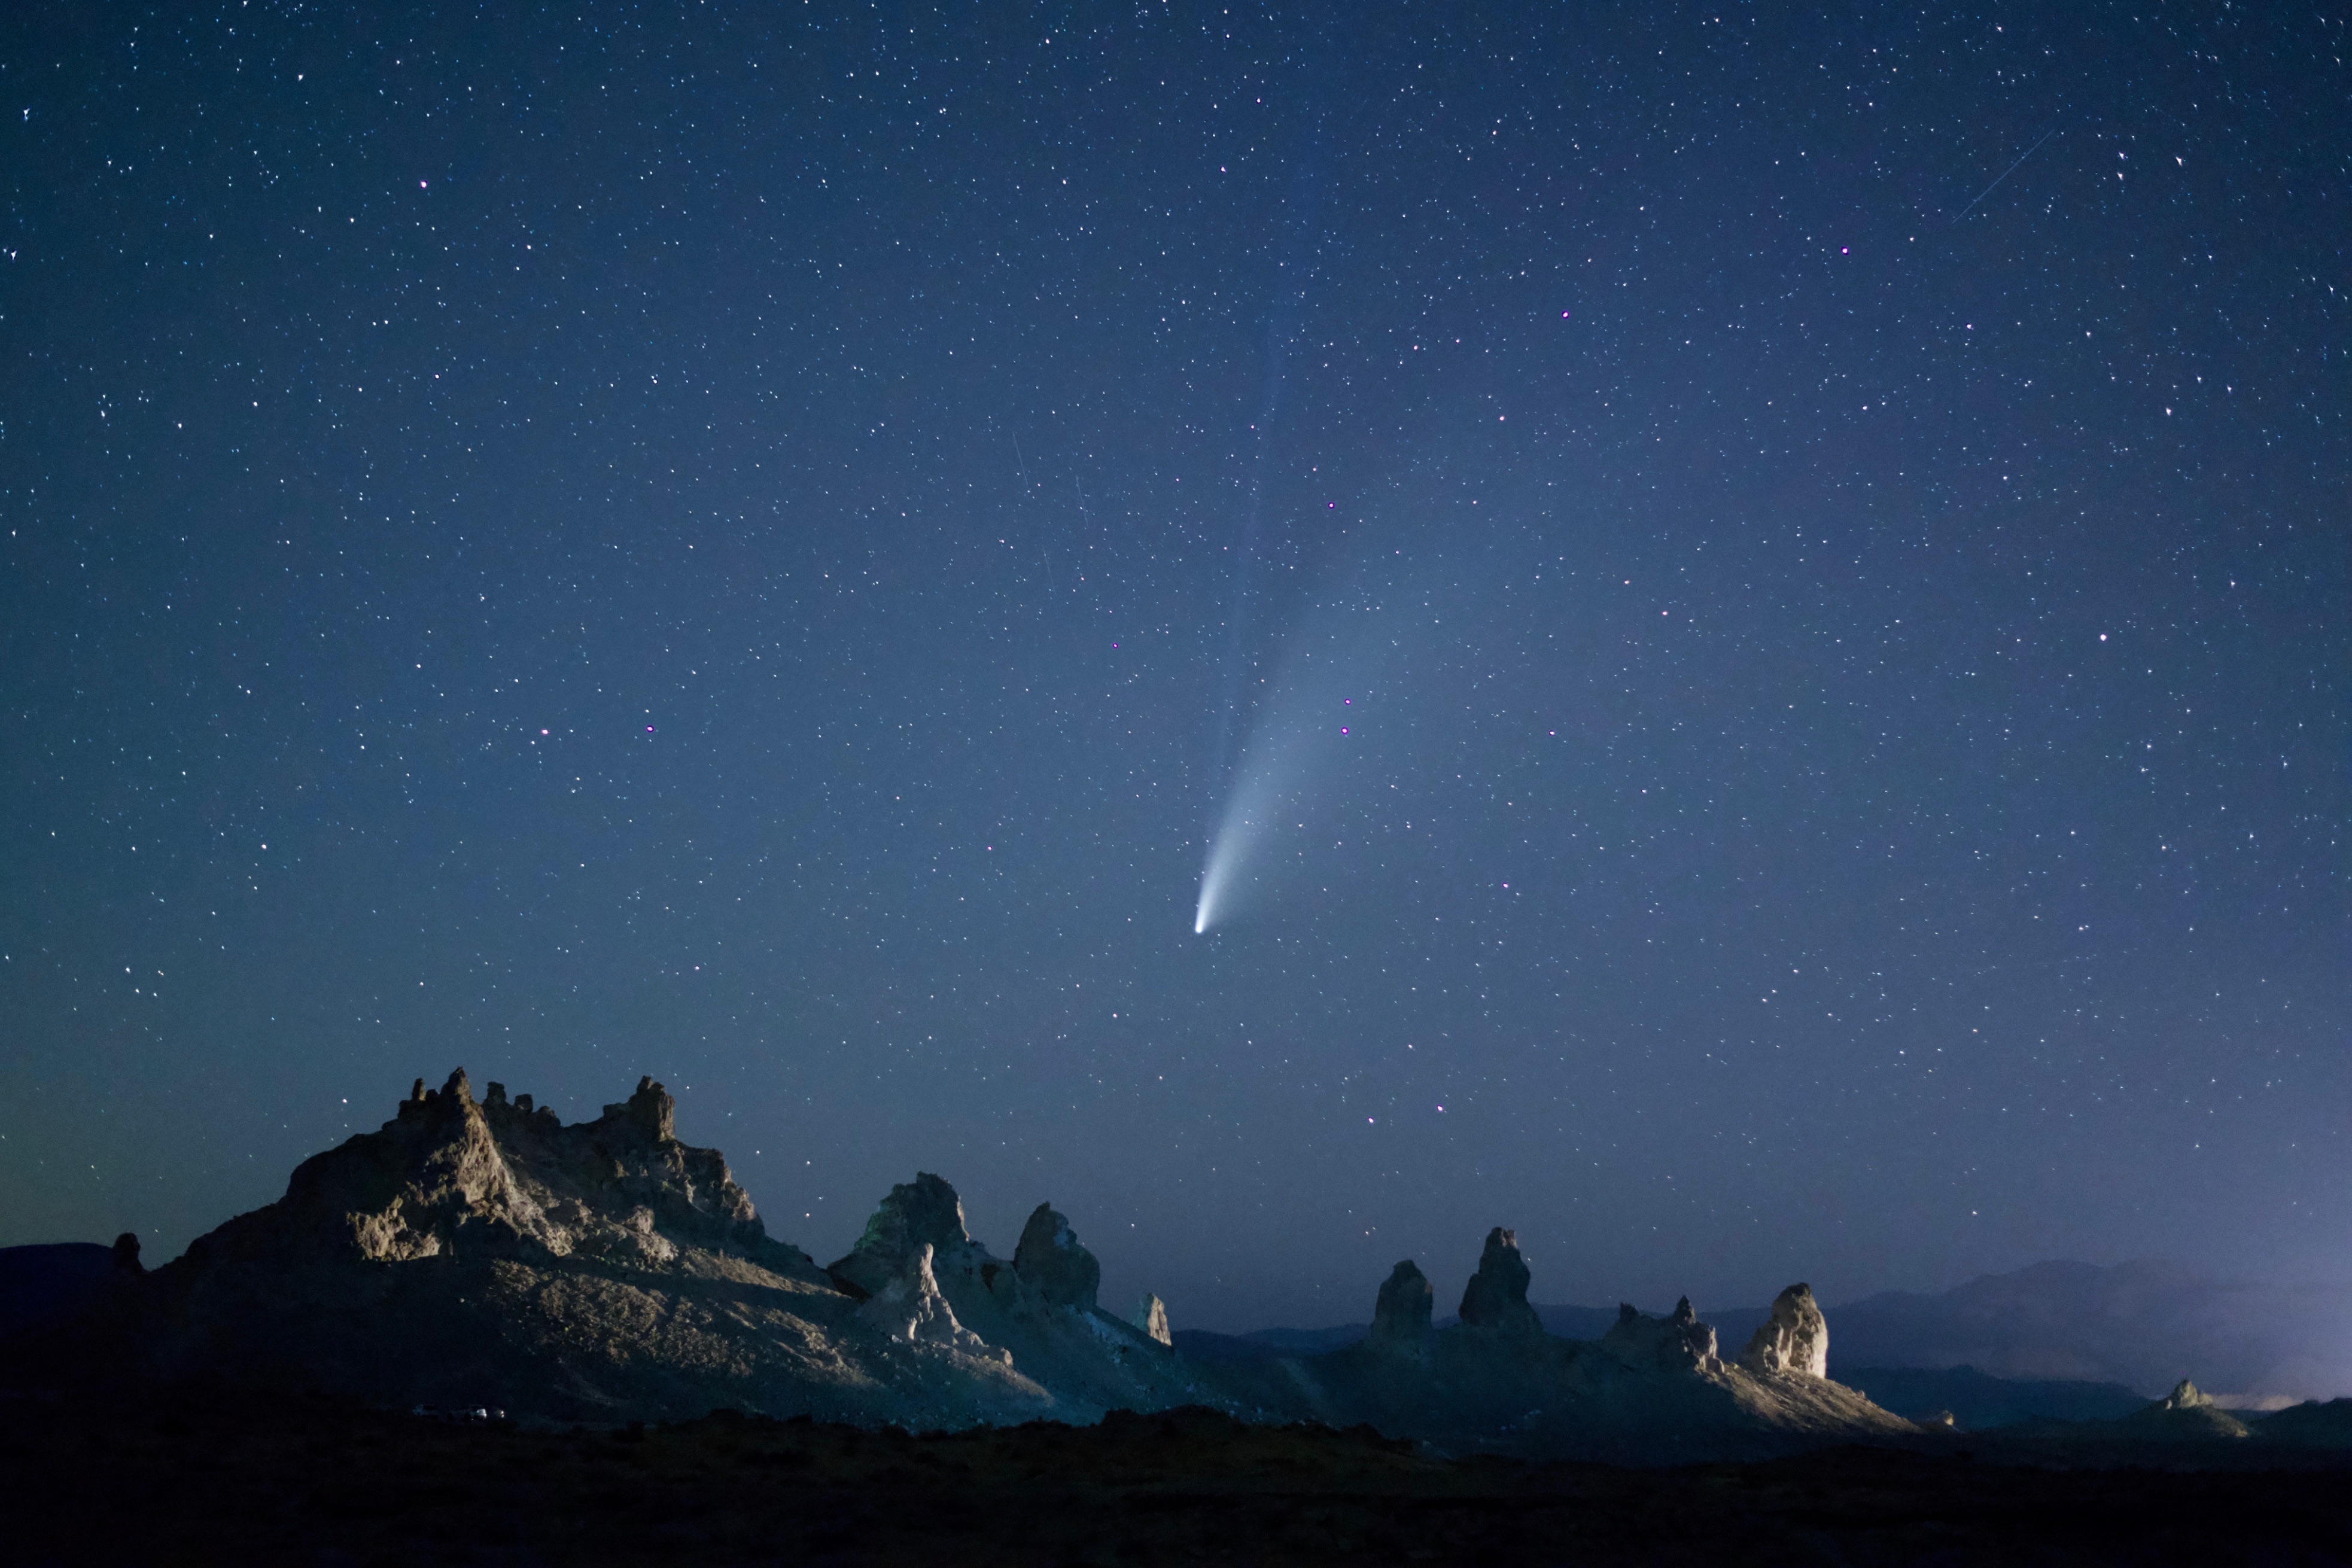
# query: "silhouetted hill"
{"points": [[1979, 1401], [2142, 1324], [49, 1282]]}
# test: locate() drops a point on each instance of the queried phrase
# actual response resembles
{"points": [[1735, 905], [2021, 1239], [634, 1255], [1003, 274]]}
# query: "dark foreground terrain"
{"points": [[207, 1480]]}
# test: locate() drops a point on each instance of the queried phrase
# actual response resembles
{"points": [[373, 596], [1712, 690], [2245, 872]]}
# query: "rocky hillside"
{"points": [[1649, 1390], [480, 1252]]}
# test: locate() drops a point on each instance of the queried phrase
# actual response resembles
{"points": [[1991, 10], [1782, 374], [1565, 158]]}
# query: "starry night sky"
{"points": [[754, 544]]}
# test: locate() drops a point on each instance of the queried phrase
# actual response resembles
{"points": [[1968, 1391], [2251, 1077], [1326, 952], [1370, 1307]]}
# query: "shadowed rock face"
{"points": [[1677, 1344], [1496, 1299], [1795, 1339], [922, 1213], [1052, 1266], [1401, 1315]]}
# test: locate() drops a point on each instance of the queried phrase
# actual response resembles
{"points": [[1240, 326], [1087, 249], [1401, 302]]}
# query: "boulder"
{"points": [[1400, 1314], [1679, 1342], [1795, 1340], [1496, 1299], [126, 1254], [1052, 1267], [1151, 1317]]}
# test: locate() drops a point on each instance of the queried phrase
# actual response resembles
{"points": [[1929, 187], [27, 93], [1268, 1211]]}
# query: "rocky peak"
{"points": [[1795, 1339], [450, 1175], [2186, 1396], [922, 1213], [1496, 1299], [126, 1254], [1051, 1265], [1151, 1317], [447, 1104], [1400, 1314], [651, 1111], [1678, 1343]]}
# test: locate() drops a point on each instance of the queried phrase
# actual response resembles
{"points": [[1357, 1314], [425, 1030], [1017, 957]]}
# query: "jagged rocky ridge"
{"points": [[483, 1252]]}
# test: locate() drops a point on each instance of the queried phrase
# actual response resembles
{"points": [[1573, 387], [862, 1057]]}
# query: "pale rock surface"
{"points": [[485, 1253], [1151, 1317], [1794, 1340], [2187, 1413], [1677, 1344], [908, 1307], [2186, 1396]]}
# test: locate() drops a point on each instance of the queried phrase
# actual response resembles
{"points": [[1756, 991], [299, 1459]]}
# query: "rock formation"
{"points": [[2185, 1396], [484, 1254], [1496, 1299], [1400, 1314], [450, 1175], [923, 1213], [1795, 1339], [1053, 1267], [1677, 1344], [1151, 1317], [908, 1306], [2187, 1412]]}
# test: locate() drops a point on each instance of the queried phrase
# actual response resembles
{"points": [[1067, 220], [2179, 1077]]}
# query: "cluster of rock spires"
{"points": [[482, 1251]]}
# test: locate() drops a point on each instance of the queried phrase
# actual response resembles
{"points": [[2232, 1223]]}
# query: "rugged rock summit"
{"points": [[1052, 1265], [1151, 1316], [1497, 1298], [1795, 1339], [1400, 1312], [483, 1252], [2185, 1412], [451, 1176], [925, 1212], [1677, 1344]]}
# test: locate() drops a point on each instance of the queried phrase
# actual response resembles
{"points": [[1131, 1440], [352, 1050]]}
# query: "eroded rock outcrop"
{"points": [[1497, 1298], [450, 1176], [1151, 1317], [1401, 1313], [1679, 1343], [1794, 1340], [2187, 1412], [908, 1306], [1052, 1267], [922, 1213]]}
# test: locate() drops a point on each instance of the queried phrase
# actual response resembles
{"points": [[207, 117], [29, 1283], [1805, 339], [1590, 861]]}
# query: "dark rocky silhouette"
{"points": [[1495, 1300], [1401, 1313]]}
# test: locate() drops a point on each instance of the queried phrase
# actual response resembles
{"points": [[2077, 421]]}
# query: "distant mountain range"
{"points": [[2142, 1326]]}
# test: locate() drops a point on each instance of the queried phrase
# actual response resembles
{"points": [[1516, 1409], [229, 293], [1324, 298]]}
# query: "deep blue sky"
{"points": [[751, 543]]}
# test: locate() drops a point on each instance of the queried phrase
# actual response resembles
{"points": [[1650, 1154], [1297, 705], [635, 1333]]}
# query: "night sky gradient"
{"points": [[755, 544]]}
